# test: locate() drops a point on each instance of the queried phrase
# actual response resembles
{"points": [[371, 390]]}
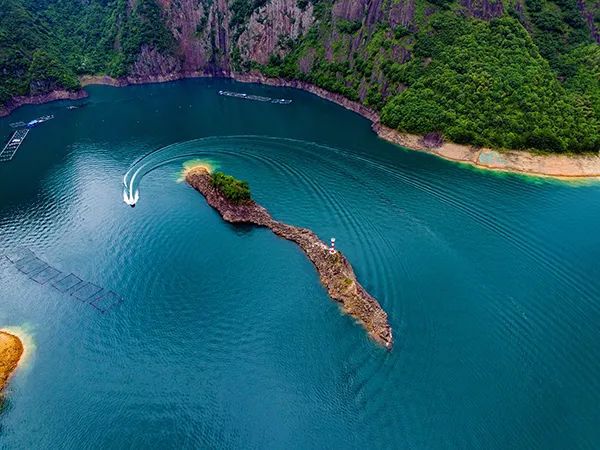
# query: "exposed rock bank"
{"points": [[323, 93], [51, 96], [334, 269], [11, 350], [88, 80]]}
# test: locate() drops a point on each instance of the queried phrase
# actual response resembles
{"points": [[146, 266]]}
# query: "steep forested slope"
{"points": [[511, 73]]}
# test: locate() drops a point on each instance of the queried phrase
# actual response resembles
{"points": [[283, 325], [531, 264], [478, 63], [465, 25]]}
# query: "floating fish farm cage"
{"points": [[69, 284], [258, 98]]}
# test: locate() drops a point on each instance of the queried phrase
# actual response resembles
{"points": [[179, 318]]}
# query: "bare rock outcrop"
{"points": [[483, 9], [271, 26], [150, 62], [350, 9], [402, 13], [588, 10]]}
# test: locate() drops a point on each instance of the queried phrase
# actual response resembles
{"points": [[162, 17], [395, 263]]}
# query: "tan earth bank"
{"points": [[11, 349], [334, 270], [567, 167], [545, 165]]}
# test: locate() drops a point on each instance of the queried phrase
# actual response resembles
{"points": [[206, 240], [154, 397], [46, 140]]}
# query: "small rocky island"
{"points": [[232, 199], [11, 349]]}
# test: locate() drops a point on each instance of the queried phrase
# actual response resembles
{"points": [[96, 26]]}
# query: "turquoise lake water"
{"points": [[225, 337]]}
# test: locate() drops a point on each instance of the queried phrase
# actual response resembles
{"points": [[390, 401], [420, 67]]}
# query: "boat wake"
{"points": [[204, 148], [165, 155]]}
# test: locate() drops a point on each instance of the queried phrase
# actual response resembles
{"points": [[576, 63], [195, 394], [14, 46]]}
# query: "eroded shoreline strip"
{"points": [[565, 167], [335, 272]]}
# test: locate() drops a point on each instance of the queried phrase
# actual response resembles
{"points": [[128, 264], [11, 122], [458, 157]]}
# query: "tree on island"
{"points": [[234, 190]]}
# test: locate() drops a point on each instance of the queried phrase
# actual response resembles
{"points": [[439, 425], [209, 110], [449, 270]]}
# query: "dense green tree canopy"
{"points": [[235, 190], [487, 84]]}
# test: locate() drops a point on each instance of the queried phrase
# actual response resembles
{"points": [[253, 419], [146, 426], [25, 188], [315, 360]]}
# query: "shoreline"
{"points": [[22, 100], [11, 353], [335, 272], [565, 167]]}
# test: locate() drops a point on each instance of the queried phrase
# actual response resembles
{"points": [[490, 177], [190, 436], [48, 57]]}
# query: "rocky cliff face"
{"points": [[350, 9], [151, 62], [273, 28], [183, 19], [590, 10], [225, 36], [40, 87], [483, 9], [202, 40], [206, 42]]}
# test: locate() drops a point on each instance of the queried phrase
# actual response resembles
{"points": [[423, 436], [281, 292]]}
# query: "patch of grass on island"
{"points": [[234, 190]]}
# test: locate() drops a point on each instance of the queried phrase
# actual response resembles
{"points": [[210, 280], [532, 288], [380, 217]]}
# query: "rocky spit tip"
{"points": [[334, 269]]}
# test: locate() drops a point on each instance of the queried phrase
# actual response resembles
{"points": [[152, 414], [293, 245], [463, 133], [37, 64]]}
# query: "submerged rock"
{"points": [[334, 269]]}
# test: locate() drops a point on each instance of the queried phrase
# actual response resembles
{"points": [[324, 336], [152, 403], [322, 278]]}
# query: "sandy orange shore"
{"points": [[11, 349], [567, 167]]}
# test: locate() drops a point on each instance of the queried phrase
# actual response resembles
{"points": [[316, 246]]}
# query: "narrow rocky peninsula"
{"points": [[11, 349], [236, 206]]}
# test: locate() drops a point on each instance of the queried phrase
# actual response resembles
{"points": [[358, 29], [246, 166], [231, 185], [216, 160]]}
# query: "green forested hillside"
{"points": [[45, 44], [484, 82], [521, 74], [49, 43], [487, 84]]}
